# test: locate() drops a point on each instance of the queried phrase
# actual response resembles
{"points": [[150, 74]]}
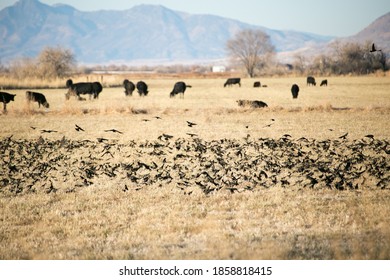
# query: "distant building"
{"points": [[218, 69]]}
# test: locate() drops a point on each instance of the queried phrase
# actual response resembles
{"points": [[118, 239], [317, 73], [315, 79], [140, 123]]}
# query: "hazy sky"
{"points": [[325, 17]]}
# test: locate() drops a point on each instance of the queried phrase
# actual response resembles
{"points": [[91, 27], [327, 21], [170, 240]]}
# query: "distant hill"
{"points": [[142, 33], [377, 32]]}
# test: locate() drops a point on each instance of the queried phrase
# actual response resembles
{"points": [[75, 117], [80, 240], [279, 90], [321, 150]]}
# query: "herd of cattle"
{"points": [[93, 89]]}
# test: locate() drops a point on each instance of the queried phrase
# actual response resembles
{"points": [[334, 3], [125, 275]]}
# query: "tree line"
{"points": [[253, 50], [249, 50]]}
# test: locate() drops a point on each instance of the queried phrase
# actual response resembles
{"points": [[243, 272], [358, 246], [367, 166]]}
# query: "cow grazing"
{"points": [[324, 83], [6, 97], [232, 81], [129, 87], [93, 89], [295, 90], [142, 88], [179, 88], [37, 97], [256, 84], [252, 103], [311, 81]]}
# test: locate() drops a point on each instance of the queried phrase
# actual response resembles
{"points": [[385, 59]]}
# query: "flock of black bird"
{"points": [[234, 165]]}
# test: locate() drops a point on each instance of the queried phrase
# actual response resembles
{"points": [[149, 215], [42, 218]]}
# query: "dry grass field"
{"points": [[270, 183]]}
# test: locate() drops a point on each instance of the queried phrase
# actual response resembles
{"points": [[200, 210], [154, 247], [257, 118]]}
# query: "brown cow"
{"points": [[37, 97]]}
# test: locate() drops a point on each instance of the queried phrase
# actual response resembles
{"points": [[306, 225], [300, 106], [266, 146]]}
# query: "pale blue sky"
{"points": [[324, 17]]}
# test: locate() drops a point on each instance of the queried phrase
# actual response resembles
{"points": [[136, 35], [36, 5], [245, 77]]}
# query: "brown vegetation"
{"points": [[70, 194]]}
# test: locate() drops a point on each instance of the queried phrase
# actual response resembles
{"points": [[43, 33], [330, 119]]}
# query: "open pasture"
{"points": [[357, 105], [270, 183]]}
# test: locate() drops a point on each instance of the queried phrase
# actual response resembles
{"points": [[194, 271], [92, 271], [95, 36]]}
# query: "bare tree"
{"points": [[55, 62], [300, 63], [383, 60], [251, 48]]}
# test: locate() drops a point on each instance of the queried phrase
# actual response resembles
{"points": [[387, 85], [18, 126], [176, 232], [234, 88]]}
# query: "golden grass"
{"points": [[163, 222]]}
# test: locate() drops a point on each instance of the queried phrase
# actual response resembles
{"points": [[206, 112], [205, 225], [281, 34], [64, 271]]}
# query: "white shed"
{"points": [[219, 69]]}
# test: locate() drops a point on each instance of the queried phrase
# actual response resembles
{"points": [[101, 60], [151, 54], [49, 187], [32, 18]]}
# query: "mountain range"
{"points": [[151, 33]]}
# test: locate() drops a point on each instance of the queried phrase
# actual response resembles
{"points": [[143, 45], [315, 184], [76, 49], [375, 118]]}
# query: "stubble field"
{"points": [[271, 183]]}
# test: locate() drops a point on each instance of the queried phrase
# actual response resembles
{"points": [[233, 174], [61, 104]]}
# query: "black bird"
{"points": [[268, 125], [33, 127], [100, 140], [78, 128], [157, 117], [190, 124], [145, 120], [192, 134], [107, 152], [167, 136], [51, 188], [48, 131], [344, 136], [373, 49], [113, 130]]}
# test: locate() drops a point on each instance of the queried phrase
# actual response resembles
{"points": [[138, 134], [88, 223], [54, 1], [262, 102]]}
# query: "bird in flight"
{"points": [[192, 134], [165, 136], [373, 48], [48, 131], [100, 140], [78, 128], [190, 124], [114, 130], [344, 136]]}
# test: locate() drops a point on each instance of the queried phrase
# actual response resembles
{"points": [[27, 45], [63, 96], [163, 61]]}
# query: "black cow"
{"points": [[97, 88], [232, 81], [37, 97], [256, 84], [324, 83], [6, 97], [93, 89], [311, 81], [252, 103], [78, 88], [179, 88], [295, 90], [129, 87], [142, 88]]}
